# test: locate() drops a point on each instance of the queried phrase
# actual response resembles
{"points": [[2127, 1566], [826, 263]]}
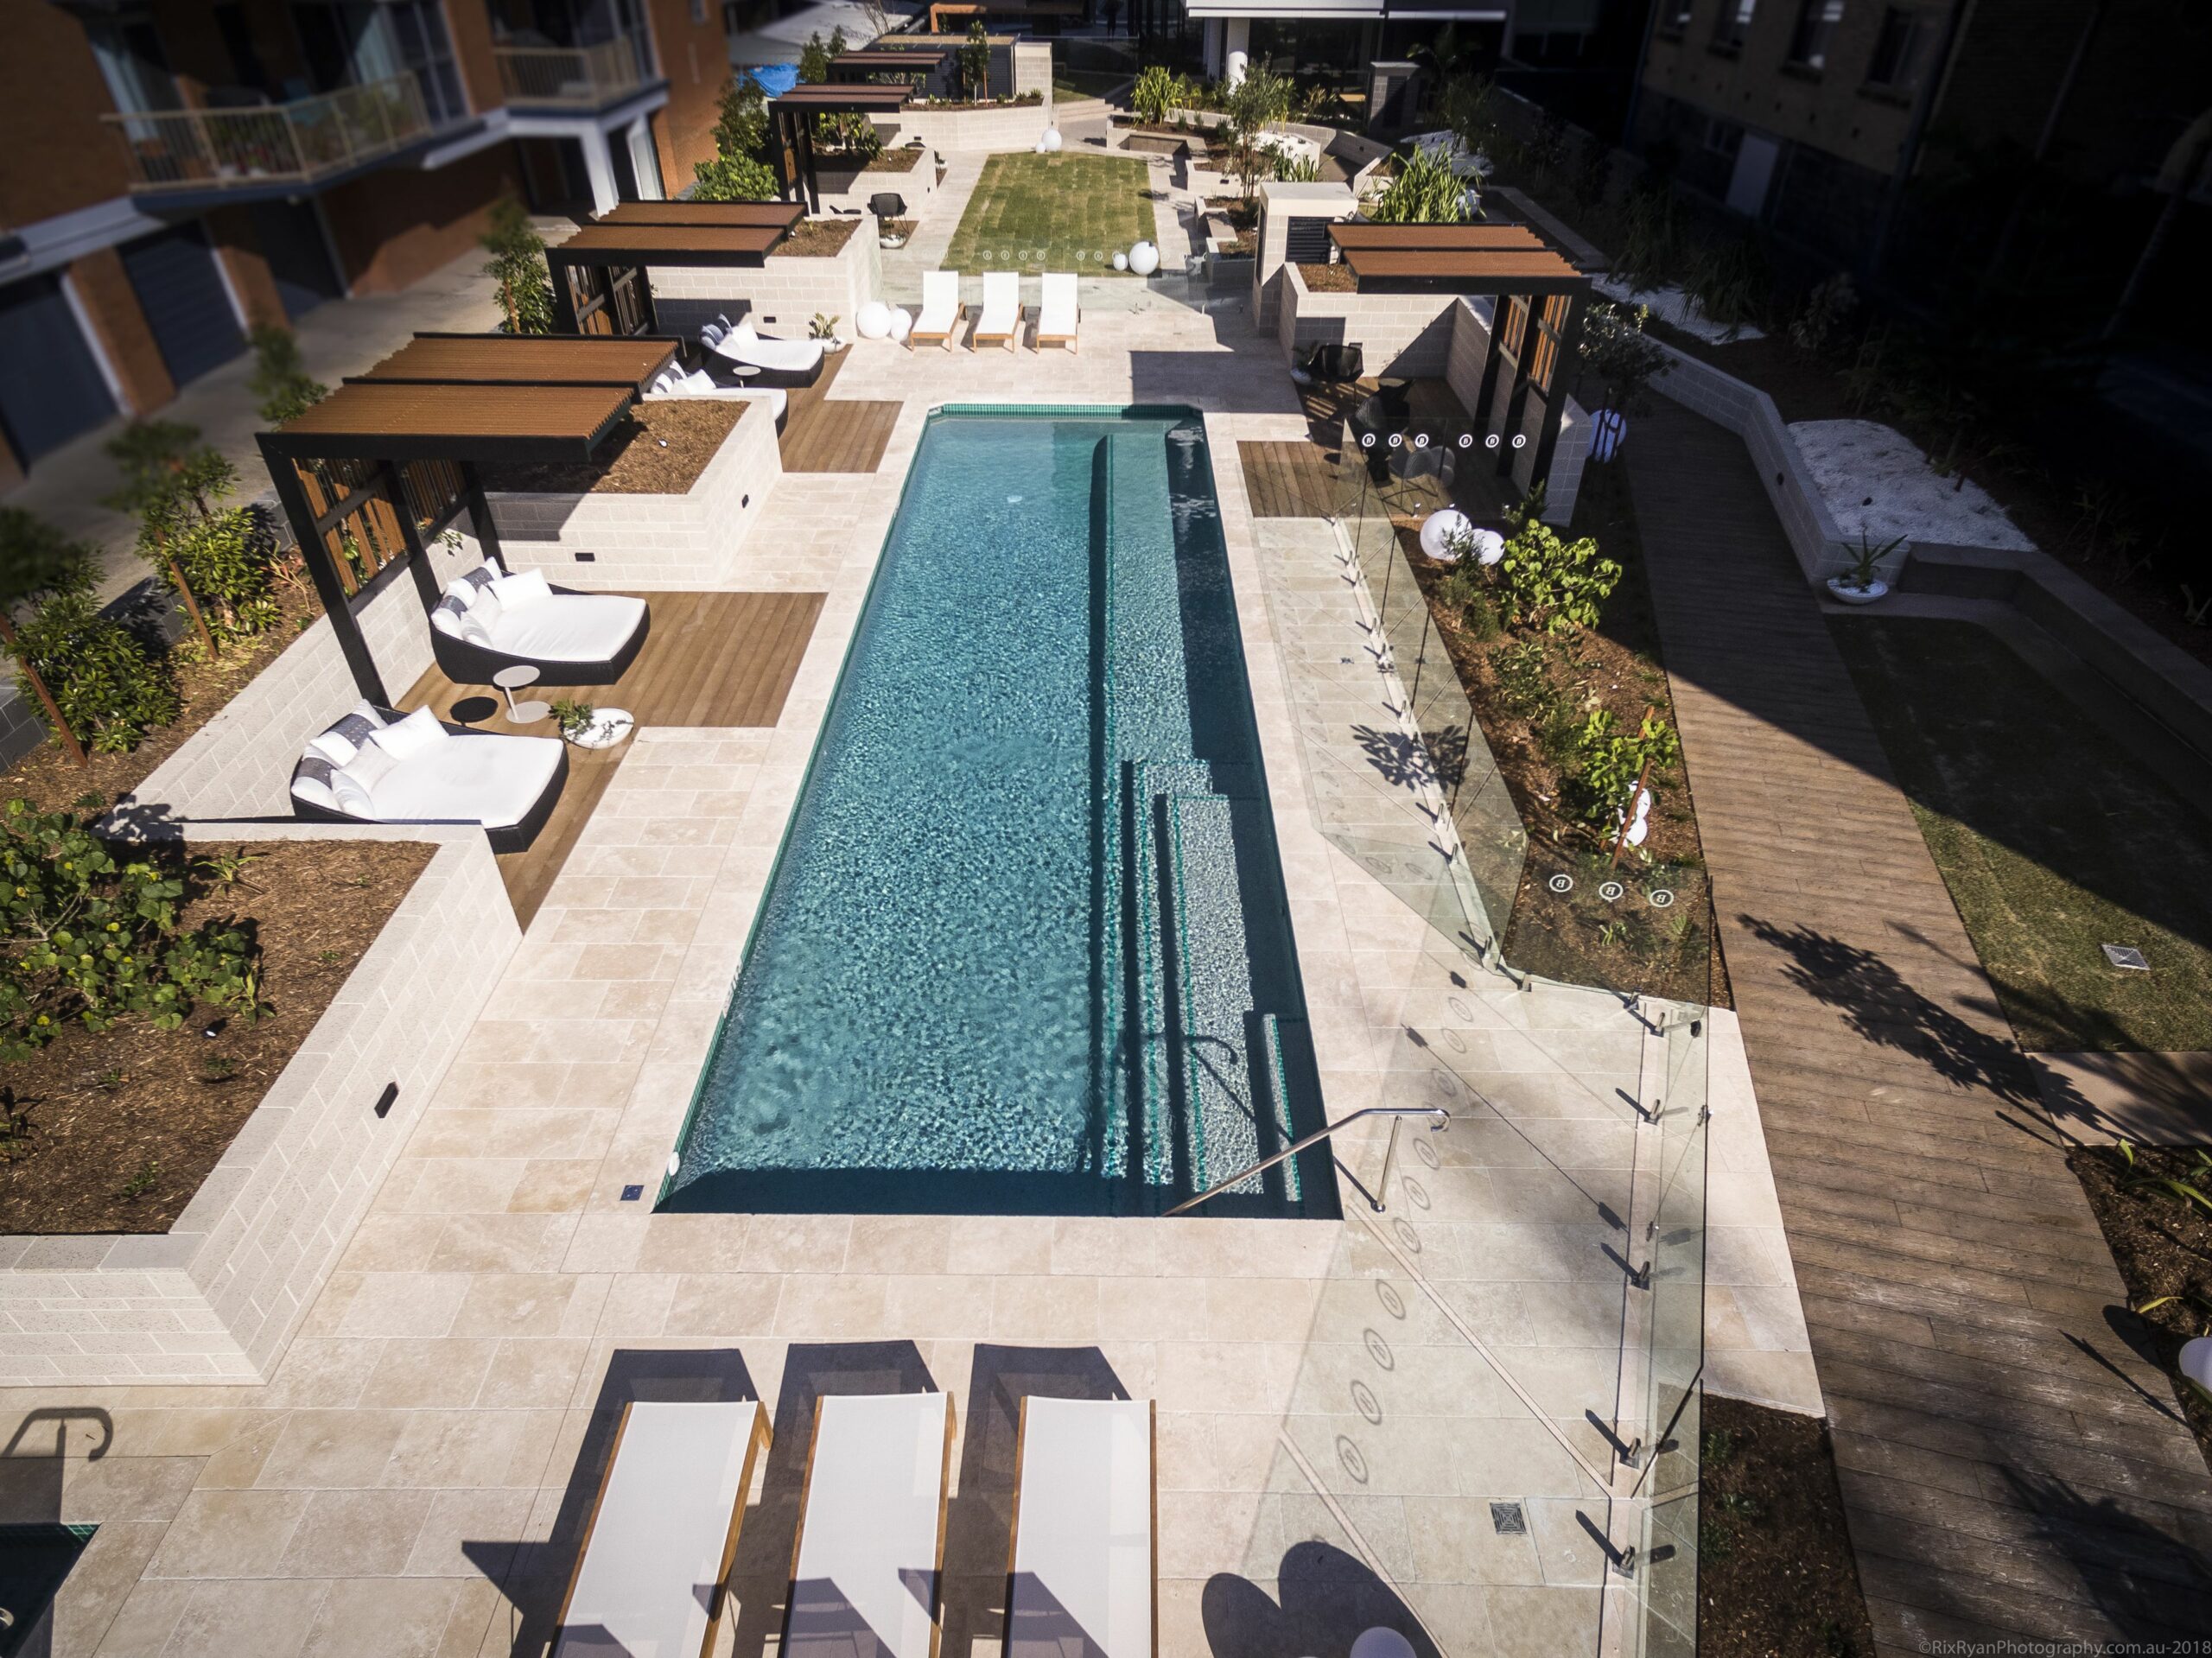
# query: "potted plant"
{"points": [[824, 328], [591, 727], [1861, 584]]}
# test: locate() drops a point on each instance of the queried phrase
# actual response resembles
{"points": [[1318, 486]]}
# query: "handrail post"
{"points": [[1442, 1121]]}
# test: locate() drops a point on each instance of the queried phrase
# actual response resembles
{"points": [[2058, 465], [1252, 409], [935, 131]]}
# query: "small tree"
{"points": [[280, 376], [168, 480], [1613, 345], [814, 59], [1613, 762], [740, 171], [1254, 103], [36, 563], [1547, 582], [110, 685], [976, 62], [518, 270]]}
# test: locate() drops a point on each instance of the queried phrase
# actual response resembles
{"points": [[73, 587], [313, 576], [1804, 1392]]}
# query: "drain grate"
{"points": [[1508, 1520]]}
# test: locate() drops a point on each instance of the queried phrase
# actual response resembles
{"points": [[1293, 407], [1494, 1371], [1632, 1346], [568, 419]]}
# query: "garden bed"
{"points": [[1775, 1577], [1242, 219], [904, 159], [114, 1131], [1328, 279], [1532, 690], [661, 450], [817, 238], [2163, 1247]]}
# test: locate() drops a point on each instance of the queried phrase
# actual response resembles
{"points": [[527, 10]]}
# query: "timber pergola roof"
{"points": [[1455, 258], [790, 127], [402, 455], [728, 215], [622, 246], [850, 66]]}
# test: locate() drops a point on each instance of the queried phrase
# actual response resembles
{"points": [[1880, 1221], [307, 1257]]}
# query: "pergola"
{"points": [[600, 285], [380, 467], [850, 68], [1537, 298], [790, 127]]}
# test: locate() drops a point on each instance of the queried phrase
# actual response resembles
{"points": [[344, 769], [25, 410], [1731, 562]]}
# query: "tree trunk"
{"points": [[76, 749], [184, 591]]}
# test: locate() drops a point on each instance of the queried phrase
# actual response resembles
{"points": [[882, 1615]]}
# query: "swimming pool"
{"points": [[1026, 948]]}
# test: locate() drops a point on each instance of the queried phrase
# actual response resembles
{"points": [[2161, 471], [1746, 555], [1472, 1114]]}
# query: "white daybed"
{"points": [[1082, 1568], [781, 362], [674, 384], [375, 765], [488, 621]]}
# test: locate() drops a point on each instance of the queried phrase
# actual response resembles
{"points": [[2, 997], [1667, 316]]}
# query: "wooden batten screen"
{"points": [[1551, 325], [369, 538], [607, 299], [434, 490]]}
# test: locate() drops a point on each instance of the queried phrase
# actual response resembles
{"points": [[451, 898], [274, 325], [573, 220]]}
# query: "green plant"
{"points": [[824, 327], [1426, 191], [112, 1078], [1158, 90], [38, 562], [226, 868], [1254, 104], [575, 717], [1611, 761], [108, 685], [1465, 594], [1525, 681], [280, 376], [225, 563], [740, 170], [1866, 560], [518, 268], [975, 61], [1827, 313], [219, 1068], [1612, 344], [89, 931], [1293, 169], [1545, 582], [142, 1182]]}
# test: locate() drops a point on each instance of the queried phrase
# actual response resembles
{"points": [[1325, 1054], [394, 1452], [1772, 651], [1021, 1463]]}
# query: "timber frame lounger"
{"points": [[1082, 1565], [653, 1572], [867, 1565], [942, 311]]}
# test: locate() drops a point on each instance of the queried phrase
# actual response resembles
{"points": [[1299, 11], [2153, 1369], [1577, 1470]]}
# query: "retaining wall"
{"points": [[781, 296], [1010, 126], [845, 191], [1404, 334], [219, 1295]]}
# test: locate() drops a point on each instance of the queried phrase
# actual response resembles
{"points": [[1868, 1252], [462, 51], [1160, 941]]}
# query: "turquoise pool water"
{"points": [[1026, 948]]}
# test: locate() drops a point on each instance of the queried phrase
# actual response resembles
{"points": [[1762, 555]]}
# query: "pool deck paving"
{"points": [[2013, 1468]]}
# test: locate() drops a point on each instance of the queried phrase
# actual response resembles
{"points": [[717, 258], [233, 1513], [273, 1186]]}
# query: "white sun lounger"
{"points": [[941, 309], [870, 1550], [1083, 1569], [1000, 321], [657, 1550], [1058, 315]]}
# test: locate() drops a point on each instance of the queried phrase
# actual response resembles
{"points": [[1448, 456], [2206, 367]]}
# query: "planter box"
{"points": [[219, 1296], [781, 296], [1012, 126], [848, 190]]}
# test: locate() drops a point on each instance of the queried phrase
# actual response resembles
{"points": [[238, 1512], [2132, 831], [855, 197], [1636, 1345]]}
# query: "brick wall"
{"points": [[647, 541], [394, 226], [220, 1295], [1406, 334], [784, 294], [60, 156], [103, 287], [694, 58]]}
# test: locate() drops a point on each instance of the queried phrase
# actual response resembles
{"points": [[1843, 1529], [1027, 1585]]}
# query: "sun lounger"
{"points": [[375, 765], [781, 362], [488, 621], [871, 1533], [941, 309], [1001, 319], [1058, 315], [655, 1563], [1083, 1569]]}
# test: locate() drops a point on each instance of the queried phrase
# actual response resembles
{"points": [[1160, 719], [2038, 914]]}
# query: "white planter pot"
{"points": [[1851, 595], [608, 727]]}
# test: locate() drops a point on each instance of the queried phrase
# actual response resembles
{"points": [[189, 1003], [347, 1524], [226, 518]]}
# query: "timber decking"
{"points": [[2011, 1467], [1306, 480], [841, 434], [712, 659]]}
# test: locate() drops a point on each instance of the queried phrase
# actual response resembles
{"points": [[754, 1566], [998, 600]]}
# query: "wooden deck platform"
{"points": [[826, 434], [1306, 479], [2012, 1467], [713, 659]]}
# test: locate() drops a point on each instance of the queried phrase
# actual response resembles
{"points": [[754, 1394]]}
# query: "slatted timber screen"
{"points": [[370, 538], [1550, 326], [433, 489]]}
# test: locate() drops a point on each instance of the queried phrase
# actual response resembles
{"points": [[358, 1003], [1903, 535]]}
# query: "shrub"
{"points": [[975, 61], [1613, 346], [1523, 683], [1158, 90], [1425, 192], [110, 687], [518, 269], [38, 562], [1547, 582], [734, 178], [229, 561], [280, 376], [1610, 761], [90, 935]]}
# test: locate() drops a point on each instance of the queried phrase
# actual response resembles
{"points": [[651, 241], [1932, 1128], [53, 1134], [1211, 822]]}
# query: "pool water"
{"points": [[1026, 948]]}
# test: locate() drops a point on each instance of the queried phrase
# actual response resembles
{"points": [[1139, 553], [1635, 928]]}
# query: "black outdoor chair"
{"points": [[887, 204], [1330, 364]]}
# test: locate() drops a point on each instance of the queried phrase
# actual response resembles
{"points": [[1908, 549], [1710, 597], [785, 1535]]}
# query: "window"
{"points": [[699, 11], [130, 56], [1674, 15], [1733, 23], [1898, 50], [1722, 139], [353, 43], [1816, 21]]}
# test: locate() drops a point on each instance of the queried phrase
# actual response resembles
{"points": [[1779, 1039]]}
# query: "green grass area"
{"points": [[2052, 840], [1034, 213]]}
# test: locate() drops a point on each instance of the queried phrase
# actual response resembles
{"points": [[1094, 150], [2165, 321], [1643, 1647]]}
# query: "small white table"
{"points": [[512, 680], [744, 370]]}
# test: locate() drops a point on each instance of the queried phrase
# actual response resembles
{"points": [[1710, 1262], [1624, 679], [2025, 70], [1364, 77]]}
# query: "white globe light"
{"points": [[1490, 547], [902, 322], [1382, 1643], [1442, 528], [1052, 140], [1121, 261], [873, 320], [1040, 146], [1144, 258]]}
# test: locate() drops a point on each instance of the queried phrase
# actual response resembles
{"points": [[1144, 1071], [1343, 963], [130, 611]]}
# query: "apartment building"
{"points": [[172, 171]]}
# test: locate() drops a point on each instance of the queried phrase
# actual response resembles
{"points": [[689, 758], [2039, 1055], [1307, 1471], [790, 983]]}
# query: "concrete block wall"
{"points": [[648, 541], [783, 295], [239, 764], [848, 192], [1033, 69], [22, 728], [219, 1296], [1012, 126], [1407, 335], [1283, 203]]}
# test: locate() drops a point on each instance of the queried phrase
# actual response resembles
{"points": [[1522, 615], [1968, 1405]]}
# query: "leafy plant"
{"points": [[1525, 681], [280, 376], [740, 170], [1158, 90], [227, 561], [1547, 582], [89, 931], [1828, 311], [575, 717], [37, 564], [1612, 760], [1613, 345], [1293, 169], [824, 327], [975, 61], [108, 687], [142, 1182], [518, 269], [1865, 561], [1253, 105], [1426, 191]]}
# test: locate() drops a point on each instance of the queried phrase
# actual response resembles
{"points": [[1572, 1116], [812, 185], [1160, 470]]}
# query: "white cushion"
{"points": [[335, 746], [315, 792], [475, 633], [570, 627], [407, 738], [698, 380], [447, 622], [517, 592], [358, 779], [491, 780], [792, 356]]}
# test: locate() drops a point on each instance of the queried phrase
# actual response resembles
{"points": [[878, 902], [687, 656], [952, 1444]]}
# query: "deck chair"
{"points": [[941, 310], [1083, 1566], [867, 1565], [1058, 314], [1000, 322], [653, 1572]]}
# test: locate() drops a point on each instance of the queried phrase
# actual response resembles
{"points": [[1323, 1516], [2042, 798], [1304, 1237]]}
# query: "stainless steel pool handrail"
{"points": [[1443, 1121]]}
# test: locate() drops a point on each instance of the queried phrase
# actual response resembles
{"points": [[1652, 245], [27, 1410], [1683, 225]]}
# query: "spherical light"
{"points": [[1442, 528], [1121, 261], [902, 322], [873, 320], [1490, 547], [1052, 140], [1384, 1643], [1144, 258]]}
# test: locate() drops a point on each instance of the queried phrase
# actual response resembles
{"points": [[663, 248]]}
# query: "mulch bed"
{"points": [[114, 1131], [902, 160], [1242, 219], [51, 781], [1776, 1578], [817, 238], [660, 450], [2163, 1247], [1329, 279]]}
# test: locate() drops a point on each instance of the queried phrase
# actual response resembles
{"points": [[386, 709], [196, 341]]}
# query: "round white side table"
{"points": [[512, 680]]}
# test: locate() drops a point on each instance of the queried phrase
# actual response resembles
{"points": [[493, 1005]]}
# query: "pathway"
{"points": [[2011, 1467]]}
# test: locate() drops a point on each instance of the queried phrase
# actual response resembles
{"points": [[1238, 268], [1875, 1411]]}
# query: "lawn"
{"points": [[1033, 213], [2051, 841]]}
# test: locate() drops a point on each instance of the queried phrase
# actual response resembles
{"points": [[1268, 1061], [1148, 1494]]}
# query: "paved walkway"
{"points": [[2011, 1467]]}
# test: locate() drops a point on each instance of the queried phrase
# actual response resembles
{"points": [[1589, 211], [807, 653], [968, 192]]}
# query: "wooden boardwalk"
{"points": [[823, 434], [712, 659], [2011, 1467]]}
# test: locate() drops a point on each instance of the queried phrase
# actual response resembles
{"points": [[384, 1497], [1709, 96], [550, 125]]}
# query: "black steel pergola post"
{"points": [[284, 473], [1491, 358], [479, 516], [564, 296]]}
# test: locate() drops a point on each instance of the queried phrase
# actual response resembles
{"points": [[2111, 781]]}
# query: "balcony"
{"points": [[257, 149], [570, 78]]}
